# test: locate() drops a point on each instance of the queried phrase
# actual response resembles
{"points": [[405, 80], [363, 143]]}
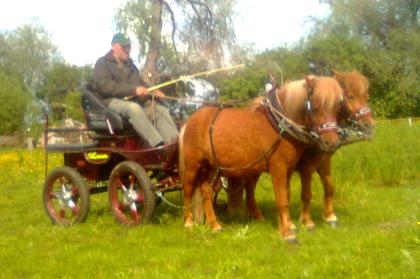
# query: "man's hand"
{"points": [[159, 94], [141, 91]]}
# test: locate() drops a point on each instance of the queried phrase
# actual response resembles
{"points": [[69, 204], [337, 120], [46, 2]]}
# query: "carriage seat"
{"points": [[100, 118]]}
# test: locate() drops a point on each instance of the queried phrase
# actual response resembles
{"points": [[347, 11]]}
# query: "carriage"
{"points": [[109, 156], [106, 156]]}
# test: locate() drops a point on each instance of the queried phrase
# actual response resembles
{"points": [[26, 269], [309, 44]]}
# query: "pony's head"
{"points": [[315, 103], [322, 107], [355, 103]]}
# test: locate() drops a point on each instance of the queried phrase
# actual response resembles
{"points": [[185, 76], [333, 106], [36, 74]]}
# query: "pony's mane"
{"points": [[329, 91], [294, 95], [326, 90], [356, 83], [255, 103]]}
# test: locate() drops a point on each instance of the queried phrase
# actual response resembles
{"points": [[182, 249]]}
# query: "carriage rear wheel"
{"points": [[66, 196], [131, 196]]}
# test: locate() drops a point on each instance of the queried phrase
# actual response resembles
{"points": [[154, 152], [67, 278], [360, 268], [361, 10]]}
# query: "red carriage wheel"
{"points": [[66, 196], [131, 196]]}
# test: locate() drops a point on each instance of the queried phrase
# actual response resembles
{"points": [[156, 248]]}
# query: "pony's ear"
{"points": [[335, 72], [339, 76], [310, 81]]}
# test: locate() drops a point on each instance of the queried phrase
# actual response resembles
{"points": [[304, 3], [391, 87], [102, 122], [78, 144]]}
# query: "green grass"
{"points": [[377, 203]]}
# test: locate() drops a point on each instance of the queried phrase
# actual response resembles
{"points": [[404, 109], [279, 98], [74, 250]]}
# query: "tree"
{"points": [[28, 53], [60, 89], [179, 34], [389, 31], [13, 105]]}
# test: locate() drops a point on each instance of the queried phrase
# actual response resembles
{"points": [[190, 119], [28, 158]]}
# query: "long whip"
{"points": [[188, 77]]}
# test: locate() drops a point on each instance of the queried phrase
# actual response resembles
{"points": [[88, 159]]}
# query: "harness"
{"points": [[276, 116]]}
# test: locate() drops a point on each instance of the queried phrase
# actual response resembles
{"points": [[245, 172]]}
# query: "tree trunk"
{"points": [[150, 71]]}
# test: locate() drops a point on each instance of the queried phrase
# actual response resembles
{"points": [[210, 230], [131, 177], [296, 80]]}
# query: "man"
{"points": [[115, 77]]}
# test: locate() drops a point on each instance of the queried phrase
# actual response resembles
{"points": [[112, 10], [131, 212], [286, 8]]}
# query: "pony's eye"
{"points": [[350, 97]]}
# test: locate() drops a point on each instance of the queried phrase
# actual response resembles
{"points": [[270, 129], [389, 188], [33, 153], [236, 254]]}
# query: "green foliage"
{"points": [[282, 63], [28, 53], [388, 30], [244, 86], [334, 51], [381, 39], [63, 80], [73, 106], [14, 101]]}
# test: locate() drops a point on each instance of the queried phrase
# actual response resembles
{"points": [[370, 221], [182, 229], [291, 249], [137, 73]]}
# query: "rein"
{"points": [[185, 100]]}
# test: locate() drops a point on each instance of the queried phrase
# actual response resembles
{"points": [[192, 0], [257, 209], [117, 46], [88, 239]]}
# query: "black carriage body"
{"points": [[96, 163]]}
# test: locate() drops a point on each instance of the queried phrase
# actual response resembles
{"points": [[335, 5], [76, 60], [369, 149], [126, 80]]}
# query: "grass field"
{"points": [[377, 203]]}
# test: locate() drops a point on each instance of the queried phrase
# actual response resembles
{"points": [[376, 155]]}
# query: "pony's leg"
{"points": [[306, 196], [289, 178], [207, 192], [235, 194], [325, 174], [253, 210], [217, 188], [188, 188], [280, 193]]}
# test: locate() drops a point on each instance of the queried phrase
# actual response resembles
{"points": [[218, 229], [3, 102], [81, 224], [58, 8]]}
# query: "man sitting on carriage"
{"points": [[116, 79]]}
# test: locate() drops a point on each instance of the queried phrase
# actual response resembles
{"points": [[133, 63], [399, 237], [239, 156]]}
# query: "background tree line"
{"points": [[380, 38]]}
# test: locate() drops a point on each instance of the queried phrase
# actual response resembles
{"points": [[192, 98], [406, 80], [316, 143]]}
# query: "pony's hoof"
{"points": [[292, 227], [188, 224], [310, 227], [333, 223], [215, 226], [292, 240], [257, 217], [217, 229], [289, 236]]}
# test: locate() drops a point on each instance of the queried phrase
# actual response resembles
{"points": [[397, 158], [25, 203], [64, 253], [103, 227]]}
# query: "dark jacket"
{"points": [[112, 80]]}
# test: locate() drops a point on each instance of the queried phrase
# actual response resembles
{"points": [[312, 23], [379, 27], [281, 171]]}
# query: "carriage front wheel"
{"points": [[131, 196], [66, 196]]}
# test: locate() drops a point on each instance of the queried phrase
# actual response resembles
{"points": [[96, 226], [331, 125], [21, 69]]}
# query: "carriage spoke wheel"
{"points": [[131, 197], [66, 197]]}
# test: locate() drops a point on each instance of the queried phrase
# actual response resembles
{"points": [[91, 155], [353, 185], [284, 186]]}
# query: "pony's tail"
{"points": [[181, 162]]}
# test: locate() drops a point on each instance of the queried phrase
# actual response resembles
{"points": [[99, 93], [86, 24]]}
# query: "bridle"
{"points": [[308, 134], [329, 126], [354, 117]]}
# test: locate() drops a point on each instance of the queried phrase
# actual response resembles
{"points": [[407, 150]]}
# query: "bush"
{"points": [[74, 106]]}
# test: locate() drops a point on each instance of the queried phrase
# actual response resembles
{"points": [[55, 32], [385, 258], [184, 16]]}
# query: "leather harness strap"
{"points": [[220, 168]]}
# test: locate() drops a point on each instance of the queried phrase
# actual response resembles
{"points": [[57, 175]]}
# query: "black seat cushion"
{"points": [[97, 114]]}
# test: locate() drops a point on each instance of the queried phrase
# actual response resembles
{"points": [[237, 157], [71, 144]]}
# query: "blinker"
{"points": [[308, 105]]}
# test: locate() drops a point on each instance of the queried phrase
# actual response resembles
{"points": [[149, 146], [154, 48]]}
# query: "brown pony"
{"points": [[356, 113], [242, 143]]}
